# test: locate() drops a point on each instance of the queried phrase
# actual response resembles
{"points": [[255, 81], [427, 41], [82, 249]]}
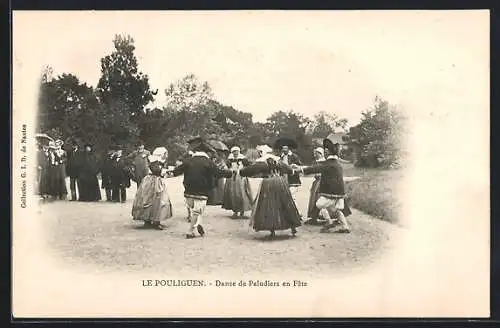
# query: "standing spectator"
{"points": [[56, 170], [119, 178], [87, 179], [106, 171], [42, 170], [73, 169]]}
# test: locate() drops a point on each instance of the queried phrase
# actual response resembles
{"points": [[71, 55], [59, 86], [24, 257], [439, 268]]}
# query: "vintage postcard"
{"points": [[250, 164]]}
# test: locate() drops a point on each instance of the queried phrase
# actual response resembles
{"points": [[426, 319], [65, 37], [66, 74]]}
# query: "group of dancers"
{"points": [[208, 179]]}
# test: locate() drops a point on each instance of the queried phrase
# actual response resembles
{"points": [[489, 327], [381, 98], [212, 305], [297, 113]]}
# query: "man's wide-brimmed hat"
{"points": [[199, 144], [285, 141]]}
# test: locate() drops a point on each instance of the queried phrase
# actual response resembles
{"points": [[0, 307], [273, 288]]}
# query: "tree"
{"points": [[67, 107], [288, 122], [188, 93], [121, 81], [325, 123], [380, 135]]}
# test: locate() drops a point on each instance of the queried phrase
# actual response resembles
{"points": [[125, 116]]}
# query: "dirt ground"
{"points": [[102, 237]]}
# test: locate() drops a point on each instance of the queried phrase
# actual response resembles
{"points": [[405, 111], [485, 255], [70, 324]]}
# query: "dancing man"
{"points": [[331, 187], [200, 172]]}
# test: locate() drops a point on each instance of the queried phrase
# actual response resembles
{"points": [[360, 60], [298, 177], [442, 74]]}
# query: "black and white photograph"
{"points": [[250, 164]]}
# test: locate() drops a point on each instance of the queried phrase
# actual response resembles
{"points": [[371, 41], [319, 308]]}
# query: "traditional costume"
{"points": [[237, 192], [57, 170], [152, 202], [199, 175], [289, 158], [331, 187], [217, 193], [274, 208], [87, 179]]}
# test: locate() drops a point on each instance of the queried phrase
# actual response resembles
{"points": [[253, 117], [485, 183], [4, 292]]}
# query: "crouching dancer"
{"points": [[200, 173], [331, 188]]}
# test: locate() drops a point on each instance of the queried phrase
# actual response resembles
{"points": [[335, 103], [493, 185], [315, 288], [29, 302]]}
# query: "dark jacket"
{"points": [[200, 173], [119, 176], [107, 168], [293, 179], [332, 177], [74, 159]]}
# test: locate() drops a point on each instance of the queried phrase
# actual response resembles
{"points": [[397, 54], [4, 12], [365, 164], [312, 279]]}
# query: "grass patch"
{"points": [[375, 193]]}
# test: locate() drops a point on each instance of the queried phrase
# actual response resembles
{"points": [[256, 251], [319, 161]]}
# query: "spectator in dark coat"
{"points": [[106, 170], [120, 180], [87, 178], [73, 169]]}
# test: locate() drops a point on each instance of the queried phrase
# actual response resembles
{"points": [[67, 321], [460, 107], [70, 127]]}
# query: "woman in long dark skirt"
{"points": [[274, 208], [56, 171], [237, 192], [87, 179], [43, 171], [216, 196]]}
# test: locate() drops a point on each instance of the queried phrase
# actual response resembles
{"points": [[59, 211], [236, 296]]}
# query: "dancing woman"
{"points": [[274, 208], [216, 195], [237, 191], [152, 202]]}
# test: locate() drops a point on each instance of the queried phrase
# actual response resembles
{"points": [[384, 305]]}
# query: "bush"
{"points": [[375, 194]]}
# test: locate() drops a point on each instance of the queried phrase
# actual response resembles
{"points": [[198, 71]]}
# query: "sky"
{"points": [[265, 61]]}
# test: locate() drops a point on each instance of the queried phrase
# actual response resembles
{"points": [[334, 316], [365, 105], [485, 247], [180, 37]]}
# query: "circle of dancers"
{"points": [[213, 175]]}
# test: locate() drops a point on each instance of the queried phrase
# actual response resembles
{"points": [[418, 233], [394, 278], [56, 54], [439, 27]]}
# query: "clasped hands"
{"points": [[296, 168]]}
